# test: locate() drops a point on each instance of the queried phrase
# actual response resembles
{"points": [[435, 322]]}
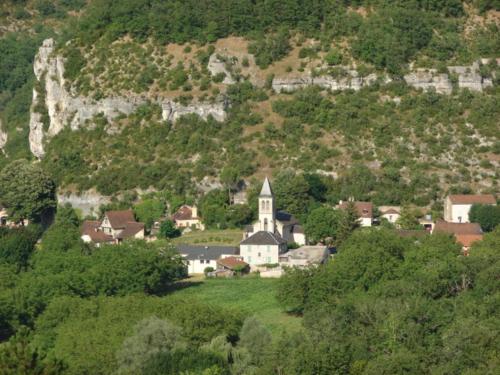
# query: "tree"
{"points": [[17, 356], [17, 245], [322, 224], [169, 230], [26, 191], [148, 211], [66, 215], [348, 223], [229, 176], [487, 216], [408, 219], [255, 338], [292, 192], [151, 336]]}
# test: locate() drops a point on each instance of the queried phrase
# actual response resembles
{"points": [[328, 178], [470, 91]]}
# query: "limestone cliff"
{"points": [[427, 79], [3, 136], [67, 109]]}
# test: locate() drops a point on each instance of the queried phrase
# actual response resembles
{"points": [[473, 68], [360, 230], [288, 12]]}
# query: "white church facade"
{"points": [[268, 237]]}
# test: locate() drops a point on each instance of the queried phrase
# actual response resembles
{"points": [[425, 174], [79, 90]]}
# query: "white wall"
{"points": [[391, 218], [365, 222], [460, 213], [196, 266], [260, 254]]}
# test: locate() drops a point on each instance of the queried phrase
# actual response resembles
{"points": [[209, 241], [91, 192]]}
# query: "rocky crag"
{"points": [[65, 108]]}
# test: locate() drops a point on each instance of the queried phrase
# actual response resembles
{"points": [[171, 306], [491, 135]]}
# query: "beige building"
{"points": [[364, 210], [457, 207], [187, 217], [390, 213]]}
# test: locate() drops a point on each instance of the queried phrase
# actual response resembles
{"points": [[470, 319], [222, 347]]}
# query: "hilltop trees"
{"points": [[487, 216], [27, 191]]}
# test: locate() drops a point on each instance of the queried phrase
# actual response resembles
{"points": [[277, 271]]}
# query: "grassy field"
{"points": [[228, 237], [253, 295]]}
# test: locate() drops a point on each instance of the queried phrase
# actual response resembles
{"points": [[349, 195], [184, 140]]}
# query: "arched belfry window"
{"points": [[263, 206], [267, 205]]}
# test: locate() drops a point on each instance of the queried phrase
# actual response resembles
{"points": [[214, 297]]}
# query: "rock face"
{"points": [[427, 79], [216, 66], [65, 109], [172, 111], [3, 137], [470, 78], [350, 81], [87, 202]]}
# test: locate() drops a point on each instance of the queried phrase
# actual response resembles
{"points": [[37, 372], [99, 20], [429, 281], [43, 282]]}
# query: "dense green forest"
{"points": [[384, 304]]}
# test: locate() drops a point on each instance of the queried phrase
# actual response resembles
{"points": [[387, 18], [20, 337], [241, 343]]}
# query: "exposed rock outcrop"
{"points": [[65, 109], [470, 78], [351, 80], [216, 66], [3, 136], [87, 202], [172, 111], [427, 79]]}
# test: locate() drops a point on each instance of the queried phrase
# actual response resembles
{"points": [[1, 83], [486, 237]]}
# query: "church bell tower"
{"points": [[267, 210]]}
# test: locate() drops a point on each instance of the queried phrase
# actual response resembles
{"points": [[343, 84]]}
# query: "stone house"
{"points": [[187, 217], [457, 206], [115, 227], [364, 210], [390, 213], [465, 233], [262, 247]]}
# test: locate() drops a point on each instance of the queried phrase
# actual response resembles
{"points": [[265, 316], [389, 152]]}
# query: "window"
{"points": [[249, 259], [268, 248], [460, 219], [258, 255], [268, 259], [263, 205], [202, 261], [265, 224], [249, 249]]}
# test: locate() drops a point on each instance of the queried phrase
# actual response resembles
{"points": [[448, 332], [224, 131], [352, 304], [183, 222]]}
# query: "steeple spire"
{"points": [[266, 189]]}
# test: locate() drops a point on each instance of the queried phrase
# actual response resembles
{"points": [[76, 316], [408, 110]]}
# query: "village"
{"points": [[276, 240]]}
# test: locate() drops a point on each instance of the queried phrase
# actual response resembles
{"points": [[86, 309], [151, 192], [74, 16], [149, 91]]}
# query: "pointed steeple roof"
{"points": [[266, 189]]}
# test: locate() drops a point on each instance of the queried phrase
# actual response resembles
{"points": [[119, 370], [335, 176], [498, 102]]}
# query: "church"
{"points": [[269, 236]]}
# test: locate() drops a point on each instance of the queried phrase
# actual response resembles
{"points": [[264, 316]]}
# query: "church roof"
{"points": [[266, 189], [263, 238]]}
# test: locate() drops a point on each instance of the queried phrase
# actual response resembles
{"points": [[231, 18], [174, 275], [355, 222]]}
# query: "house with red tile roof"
{"points": [[187, 217], [457, 206], [465, 233], [364, 210], [115, 227]]}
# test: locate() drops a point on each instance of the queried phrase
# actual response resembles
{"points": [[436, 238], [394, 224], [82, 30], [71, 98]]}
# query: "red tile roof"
{"points": [[458, 228], [472, 199], [365, 209], [184, 213], [91, 228], [119, 219], [231, 262], [467, 240], [131, 229]]}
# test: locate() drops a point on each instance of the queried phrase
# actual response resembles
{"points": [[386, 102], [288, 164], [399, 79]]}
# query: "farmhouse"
{"points": [[199, 257], [187, 217], [390, 213], [457, 207], [465, 233], [115, 227], [364, 210], [284, 226]]}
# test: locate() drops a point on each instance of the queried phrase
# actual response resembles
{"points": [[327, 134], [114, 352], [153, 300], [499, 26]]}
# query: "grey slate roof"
{"points": [[263, 238], [286, 218], [266, 189], [193, 252]]}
